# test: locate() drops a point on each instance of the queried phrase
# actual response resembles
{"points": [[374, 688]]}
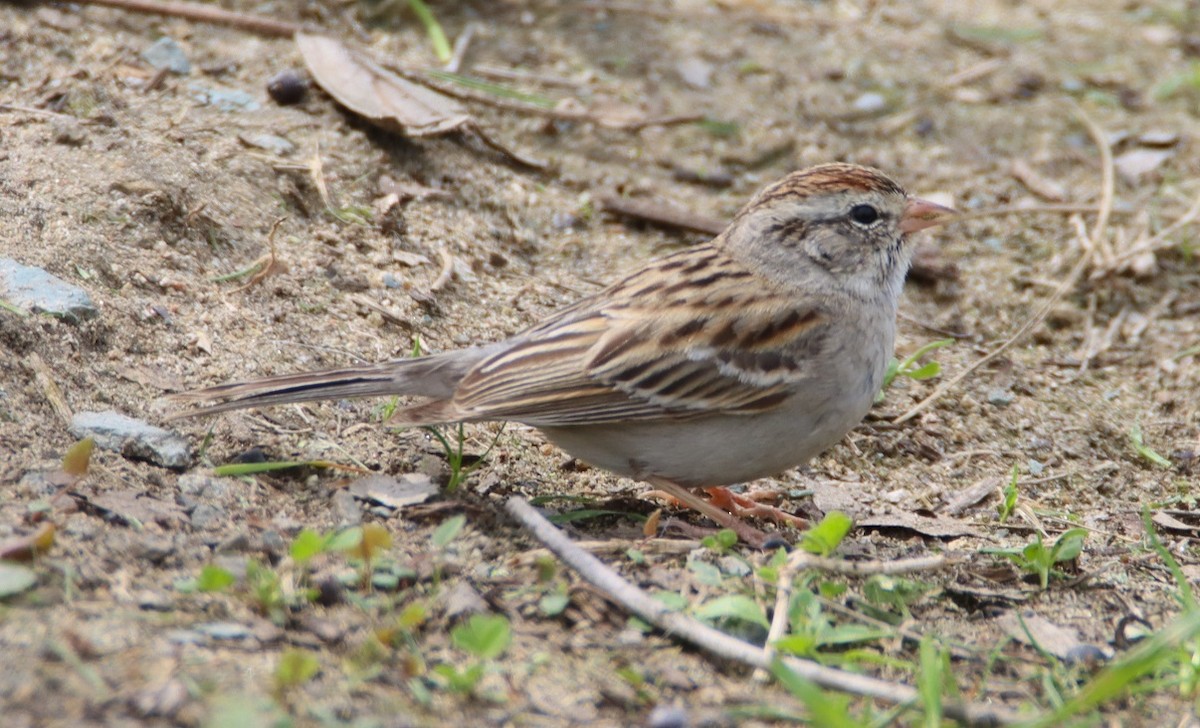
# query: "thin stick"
{"points": [[800, 560], [1159, 241], [1063, 209], [446, 273], [205, 14], [1104, 211], [718, 643]]}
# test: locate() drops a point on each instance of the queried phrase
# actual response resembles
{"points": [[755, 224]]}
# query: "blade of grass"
{"points": [[437, 36], [494, 89], [252, 468]]}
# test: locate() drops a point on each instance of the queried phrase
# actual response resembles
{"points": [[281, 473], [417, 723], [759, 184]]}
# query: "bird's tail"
{"points": [[433, 376]]}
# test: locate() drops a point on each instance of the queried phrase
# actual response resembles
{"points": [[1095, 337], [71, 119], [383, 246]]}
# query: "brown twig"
{"points": [[446, 273], [718, 643], [560, 114], [205, 14], [661, 213], [1089, 244], [268, 261]]}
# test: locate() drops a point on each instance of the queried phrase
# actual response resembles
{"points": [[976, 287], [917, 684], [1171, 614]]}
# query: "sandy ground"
{"points": [[144, 196]]}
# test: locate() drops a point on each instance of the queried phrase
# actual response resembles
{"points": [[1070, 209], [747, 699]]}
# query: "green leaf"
{"points": [[734, 606], [884, 590], [448, 530], [930, 680], [824, 537], [307, 544], [705, 572], [295, 668], [483, 635], [1140, 447], [1010, 495], [463, 681], [721, 541], [847, 634], [802, 644], [672, 600], [15, 579], [214, 579], [553, 604], [345, 540], [825, 709], [1068, 546], [928, 371], [411, 617]]}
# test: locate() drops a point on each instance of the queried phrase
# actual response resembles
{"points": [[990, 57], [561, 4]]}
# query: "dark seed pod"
{"points": [[287, 87]]}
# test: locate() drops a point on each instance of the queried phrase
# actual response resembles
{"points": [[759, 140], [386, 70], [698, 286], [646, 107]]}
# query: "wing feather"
{"points": [[651, 348]]}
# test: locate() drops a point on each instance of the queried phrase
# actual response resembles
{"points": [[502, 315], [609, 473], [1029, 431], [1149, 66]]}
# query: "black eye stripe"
{"points": [[863, 214]]}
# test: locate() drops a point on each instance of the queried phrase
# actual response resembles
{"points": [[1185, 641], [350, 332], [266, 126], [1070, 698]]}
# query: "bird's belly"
{"points": [[717, 450]]}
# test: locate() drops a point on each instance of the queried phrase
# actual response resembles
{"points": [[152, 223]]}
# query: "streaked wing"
{"points": [[680, 339]]}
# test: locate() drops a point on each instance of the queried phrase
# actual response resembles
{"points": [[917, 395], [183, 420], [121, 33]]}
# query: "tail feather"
{"points": [[435, 377]]}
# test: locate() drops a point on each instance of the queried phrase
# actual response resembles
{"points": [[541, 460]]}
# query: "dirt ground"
{"points": [[144, 195]]}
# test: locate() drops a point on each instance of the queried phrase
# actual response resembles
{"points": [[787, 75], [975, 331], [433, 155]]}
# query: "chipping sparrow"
{"points": [[722, 363]]}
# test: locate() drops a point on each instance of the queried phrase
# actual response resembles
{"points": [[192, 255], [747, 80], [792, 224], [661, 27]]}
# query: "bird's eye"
{"points": [[863, 214]]}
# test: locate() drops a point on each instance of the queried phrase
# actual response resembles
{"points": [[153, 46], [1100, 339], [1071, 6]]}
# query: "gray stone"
{"points": [[349, 514], [1000, 397], [36, 290], [695, 72], [134, 439], [166, 53], [224, 630], [269, 142], [207, 517], [224, 99]]}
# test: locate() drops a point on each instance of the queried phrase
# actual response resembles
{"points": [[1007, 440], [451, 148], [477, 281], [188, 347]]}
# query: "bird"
{"points": [[721, 363]]}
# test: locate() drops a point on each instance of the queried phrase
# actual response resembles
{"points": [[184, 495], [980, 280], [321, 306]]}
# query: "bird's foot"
{"points": [[752, 505], [717, 510]]}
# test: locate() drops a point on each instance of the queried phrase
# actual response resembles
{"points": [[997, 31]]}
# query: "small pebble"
{"points": [[287, 87], [668, 716], [870, 103], [1000, 397], [165, 53]]}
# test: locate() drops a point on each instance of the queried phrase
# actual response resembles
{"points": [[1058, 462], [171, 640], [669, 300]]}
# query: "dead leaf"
{"points": [[1171, 523], [407, 490], [931, 526], [24, 548], [854, 500], [1030, 628], [78, 457], [967, 497], [1137, 163], [388, 100]]}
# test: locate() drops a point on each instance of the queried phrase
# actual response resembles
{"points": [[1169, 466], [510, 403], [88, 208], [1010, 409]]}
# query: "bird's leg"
{"points": [[741, 505], [744, 530]]}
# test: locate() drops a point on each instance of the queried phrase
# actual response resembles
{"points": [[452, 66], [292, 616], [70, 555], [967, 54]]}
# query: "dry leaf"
{"points": [[24, 548], [386, 99]]}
